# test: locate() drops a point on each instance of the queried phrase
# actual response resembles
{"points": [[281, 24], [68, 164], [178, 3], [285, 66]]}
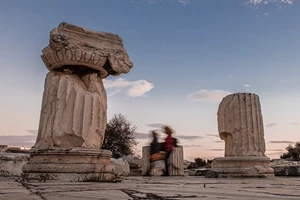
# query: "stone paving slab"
{"points": [[163, 188], [12, 190]]}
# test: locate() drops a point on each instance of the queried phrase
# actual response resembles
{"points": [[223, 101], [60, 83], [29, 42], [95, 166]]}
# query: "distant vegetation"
{"points": [[119, 136], [293, 152], [199, 163]]}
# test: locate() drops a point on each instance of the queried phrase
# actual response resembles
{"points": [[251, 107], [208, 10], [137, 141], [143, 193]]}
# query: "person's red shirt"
{"points": [[169, 142]]}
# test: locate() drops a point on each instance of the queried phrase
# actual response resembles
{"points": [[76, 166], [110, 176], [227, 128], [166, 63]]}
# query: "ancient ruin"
{"points": [[73, 113], [240, 125], [176, 167]]}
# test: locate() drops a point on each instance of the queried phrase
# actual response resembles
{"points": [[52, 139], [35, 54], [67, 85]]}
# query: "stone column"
{"points": [[73, 113], [176, 167], [240, 125]]}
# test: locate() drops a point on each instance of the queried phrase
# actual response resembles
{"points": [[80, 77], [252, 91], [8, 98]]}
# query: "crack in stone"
{"points": [[282, 195], [38, 193], [131, 193]]}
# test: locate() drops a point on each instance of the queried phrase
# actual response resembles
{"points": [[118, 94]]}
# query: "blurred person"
{"points": [[170, 143], [154, 151]]}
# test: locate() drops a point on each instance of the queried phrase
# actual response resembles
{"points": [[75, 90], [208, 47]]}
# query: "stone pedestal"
{"points": [[240, 125], [73, 164], [241, 166], [176, 167]]}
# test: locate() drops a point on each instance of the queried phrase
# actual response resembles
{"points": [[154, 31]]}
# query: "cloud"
{"points": [[151, 1], [213, 135], [139, 135], [208, 95], [142, 135], [216, 149], [131, 88], [156, 125], [295, 123], [271, 124], [113, 93], [219, 141], [192, 145], [247, 87], [33, 132], [281, 142], [275, 149], [184, 2], [189, 137], [265, 2], [18, 140]]}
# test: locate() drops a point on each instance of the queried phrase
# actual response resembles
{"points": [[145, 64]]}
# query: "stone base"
{"points": [[240, 167], [73, 164], [11, 163]]}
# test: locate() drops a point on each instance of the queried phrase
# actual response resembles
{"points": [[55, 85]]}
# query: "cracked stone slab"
{"points": [[12, 190], [170, 188]]}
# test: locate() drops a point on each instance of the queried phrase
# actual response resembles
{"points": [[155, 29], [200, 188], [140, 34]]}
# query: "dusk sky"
{"points": [[187, 55]]}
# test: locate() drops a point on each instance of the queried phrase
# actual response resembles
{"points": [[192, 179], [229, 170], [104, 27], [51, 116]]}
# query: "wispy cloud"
{"points": [[275, 150], [189, 137], [213, 135], [219, 141], [281, 142], [247, 87], [156, 125], [18, 140], [295, 123], [151, 1], [271, 124], [275, 153], [33, 132], [139, 135], [192, 145], [182, 2], [142, 135], [131, 88], [265, 2], [208, 95], [216, 149]]}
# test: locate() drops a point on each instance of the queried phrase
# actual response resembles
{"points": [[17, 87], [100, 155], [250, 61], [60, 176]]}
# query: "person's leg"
{"points": [[149, 170], [167, 163]]}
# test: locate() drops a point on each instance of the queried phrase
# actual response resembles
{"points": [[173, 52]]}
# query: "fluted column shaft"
{"points": [[240, 125]]}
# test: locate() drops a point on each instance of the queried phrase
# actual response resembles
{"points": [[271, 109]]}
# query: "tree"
{"points": [[199, 162], [285, 156], [293, 151], [119, 136]]}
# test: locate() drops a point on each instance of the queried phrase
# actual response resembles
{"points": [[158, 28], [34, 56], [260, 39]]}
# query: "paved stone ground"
{"points": [[162, 188]]}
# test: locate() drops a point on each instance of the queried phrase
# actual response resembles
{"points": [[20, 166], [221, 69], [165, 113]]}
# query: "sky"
{"points": [[187, 55]]}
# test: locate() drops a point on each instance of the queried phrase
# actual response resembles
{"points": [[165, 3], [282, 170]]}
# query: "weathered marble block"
{"points": [[176, 167], [69, 164], [96, 51], [11, 163], [240, 125], [73, 111]]}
